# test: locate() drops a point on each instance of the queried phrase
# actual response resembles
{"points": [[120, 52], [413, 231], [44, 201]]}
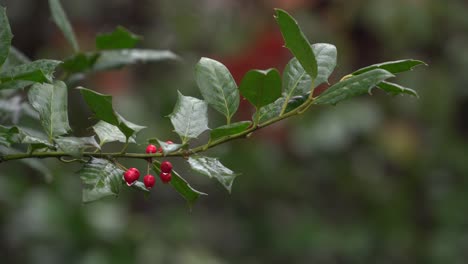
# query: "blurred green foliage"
{"points": [[374, 180]]}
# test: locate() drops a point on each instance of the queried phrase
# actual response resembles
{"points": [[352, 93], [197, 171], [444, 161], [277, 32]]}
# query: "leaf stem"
{"points": [[180, 153]]}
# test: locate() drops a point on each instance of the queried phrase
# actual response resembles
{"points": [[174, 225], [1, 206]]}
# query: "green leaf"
{"points": [[228, 130], [101, 105], [326, 55], [80, 62], [110, 133], [261, 87], [182, 187], [140, 186], [297, 82], [394, 89], [5, 35], [217, 86], [61, 20], [101, 179], [75, 146], [114, 59], [8, 135], [212, 168], [392, 66], [120, 38], [269, 111], [296, 42], [26, 74], [169, 148], [353, 86], [50, 101], [190, 117]]}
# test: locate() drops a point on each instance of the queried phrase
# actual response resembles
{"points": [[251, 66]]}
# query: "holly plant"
{"points": [[275, 97]]}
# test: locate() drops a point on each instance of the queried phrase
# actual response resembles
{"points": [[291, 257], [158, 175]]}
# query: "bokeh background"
{"points": [[377, 179]]}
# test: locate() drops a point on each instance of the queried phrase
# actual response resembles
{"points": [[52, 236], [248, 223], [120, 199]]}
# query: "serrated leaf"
{"points": [[80, 62], [5, 35], [110, 133], [114, 59], [326, 55], [394, 89], [101, 179], [39, 71], [50, 101], [296, 42], [228, 130], [261, 87], [353, 86], [190, 117], [169, 148], [101, 105], [212, 168], [75, 146], [61, 20], [217, 86], [392, 66], [120, 38], [182, 187]]}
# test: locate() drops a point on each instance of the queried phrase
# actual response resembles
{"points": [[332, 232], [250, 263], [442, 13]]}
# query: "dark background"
{"points": [[376, 179]]}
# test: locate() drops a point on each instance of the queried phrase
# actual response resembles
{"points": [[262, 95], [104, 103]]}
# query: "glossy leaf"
{"points": [[5, 36], [190, 117], [140, 186], [217, 86], [297, 82], [182, 187], [101, 179], [261, 87], [296, 42], [75, 146], [120, 38], [110, 133], [26, 74], [101, 105], [80, 62], [326, 55], [212, 168], [169, 148], [353, 86], [50, 101], [394, 88], [269, 111], [228, 130], [392, 66], [113, 59], [61, 20]]}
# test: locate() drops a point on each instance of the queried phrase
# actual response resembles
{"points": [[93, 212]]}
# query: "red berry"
{"points": [[165, 177], [160, 150], [169, 142], [166, 166], [131, 176], [149, 181], [151, 149]]}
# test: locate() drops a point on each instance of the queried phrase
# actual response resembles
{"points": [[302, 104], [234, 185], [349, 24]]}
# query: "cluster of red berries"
{"points": [[132, 175]]}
